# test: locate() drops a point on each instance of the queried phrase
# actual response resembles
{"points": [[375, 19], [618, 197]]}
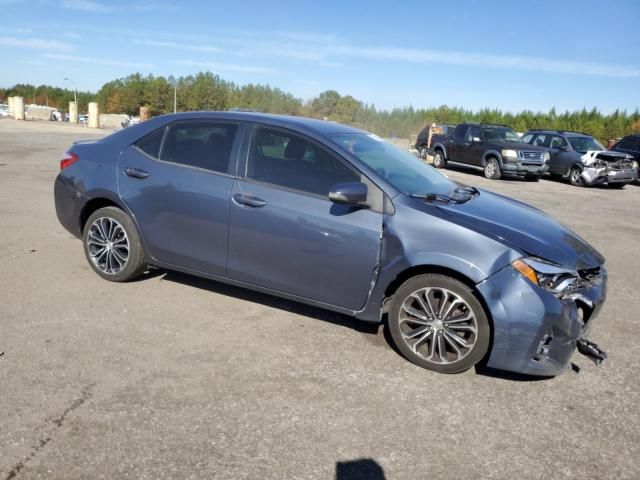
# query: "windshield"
{"points": [[405, 172], [582, 144], [500, 133]]}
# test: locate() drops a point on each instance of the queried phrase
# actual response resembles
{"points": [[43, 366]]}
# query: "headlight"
{"points": [[634, 164], [549, 276], [510, 154], [546, 156]]}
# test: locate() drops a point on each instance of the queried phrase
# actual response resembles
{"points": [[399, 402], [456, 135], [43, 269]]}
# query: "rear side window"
{"points": [[150, 144], [459, 132], [204, 145], [285, 159]]}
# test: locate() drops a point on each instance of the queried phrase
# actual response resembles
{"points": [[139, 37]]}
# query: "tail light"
{"points": [[69, 159]]}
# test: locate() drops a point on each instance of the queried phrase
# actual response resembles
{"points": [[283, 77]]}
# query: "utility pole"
{"points": [[75, 91], [175, 97]]}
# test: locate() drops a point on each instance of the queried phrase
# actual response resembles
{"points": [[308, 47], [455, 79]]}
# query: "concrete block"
{"points": [[94, 115], [144, 114], [38, 112], [18, 108], [113, 120], [73, 112]]}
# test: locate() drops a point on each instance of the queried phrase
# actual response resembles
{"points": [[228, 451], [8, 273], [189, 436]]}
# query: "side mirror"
{"points": [[349, 193]]}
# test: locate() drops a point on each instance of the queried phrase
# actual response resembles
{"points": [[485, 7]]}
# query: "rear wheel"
{"points": [[492, 169], [437, 323], [423, 152], [575, 177], [112, 245]]}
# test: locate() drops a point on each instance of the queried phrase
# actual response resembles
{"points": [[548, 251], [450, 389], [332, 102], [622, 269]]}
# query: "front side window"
{"points": [[541, 140], [290, 161], [204, 145], [401, 169], [558, 142]]}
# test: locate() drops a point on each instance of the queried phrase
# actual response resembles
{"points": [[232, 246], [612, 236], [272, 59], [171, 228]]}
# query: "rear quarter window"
{"points": [[150, 144]]}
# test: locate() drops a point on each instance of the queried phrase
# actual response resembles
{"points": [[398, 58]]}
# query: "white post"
{"points": [[73, 112], [18, 108], [94, 115]]}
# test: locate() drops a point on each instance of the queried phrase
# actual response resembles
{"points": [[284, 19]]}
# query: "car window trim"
{"points": [[235, 149]]}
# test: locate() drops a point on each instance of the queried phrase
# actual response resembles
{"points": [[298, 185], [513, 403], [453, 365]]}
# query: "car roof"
{"points": [[566, 133], [321, 127]]}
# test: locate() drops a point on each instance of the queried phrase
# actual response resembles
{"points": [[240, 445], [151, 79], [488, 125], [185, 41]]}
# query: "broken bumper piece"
{"points": [[595, 175], [591, 351]]}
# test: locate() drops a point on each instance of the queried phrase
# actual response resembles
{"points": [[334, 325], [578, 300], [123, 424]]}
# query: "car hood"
{"points": [[525, 228]]}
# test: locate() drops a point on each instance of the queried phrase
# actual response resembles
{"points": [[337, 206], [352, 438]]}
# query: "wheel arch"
{"points": [[441, 148], [94, 204], [416, 270], [491, 154]]}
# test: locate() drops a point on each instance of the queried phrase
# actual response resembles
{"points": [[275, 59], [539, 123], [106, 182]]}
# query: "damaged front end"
{"points": [[608, 167], [542, 313]]}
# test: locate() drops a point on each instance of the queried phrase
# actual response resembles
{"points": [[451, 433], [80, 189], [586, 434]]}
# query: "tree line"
{"points": [[208, 91]]}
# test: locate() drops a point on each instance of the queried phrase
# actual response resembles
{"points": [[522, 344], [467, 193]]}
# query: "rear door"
{"points": [[176, 181], [286, 235], [456, 147], [560, 157]]}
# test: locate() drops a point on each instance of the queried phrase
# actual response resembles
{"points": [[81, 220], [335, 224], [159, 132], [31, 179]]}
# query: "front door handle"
{"points": [[136, 173], [248, 200]]}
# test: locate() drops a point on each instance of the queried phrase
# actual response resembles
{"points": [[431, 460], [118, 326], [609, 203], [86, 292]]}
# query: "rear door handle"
{"points": [[248, 200], [136, 172]]}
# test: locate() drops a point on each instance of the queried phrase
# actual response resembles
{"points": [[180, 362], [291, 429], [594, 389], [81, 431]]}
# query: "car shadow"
{"points": [[371, 330], [268, 301], [361, 469], [479, 173]]}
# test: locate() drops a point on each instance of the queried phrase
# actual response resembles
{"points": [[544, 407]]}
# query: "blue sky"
{"points": [[505, 54]]}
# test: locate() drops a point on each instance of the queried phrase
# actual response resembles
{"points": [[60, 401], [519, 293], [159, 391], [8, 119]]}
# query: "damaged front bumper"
{"points": [[605, 174], [534, 331]]}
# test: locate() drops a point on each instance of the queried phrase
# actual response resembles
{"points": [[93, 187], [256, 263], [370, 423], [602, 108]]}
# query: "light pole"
{"points": [[75, 91], [175, 97]]}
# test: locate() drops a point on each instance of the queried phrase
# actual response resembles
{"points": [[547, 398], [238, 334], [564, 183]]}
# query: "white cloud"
{"points": [[98, 61], [179, 46], [231, 67], [86, 6], [34, 43]]}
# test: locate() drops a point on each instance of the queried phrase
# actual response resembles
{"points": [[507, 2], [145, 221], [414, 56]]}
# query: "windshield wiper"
{"points": [[438, 197]]}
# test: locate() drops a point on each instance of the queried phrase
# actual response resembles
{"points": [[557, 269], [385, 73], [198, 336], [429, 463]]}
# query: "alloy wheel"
{"points": [[438, 325], [108, 245]]}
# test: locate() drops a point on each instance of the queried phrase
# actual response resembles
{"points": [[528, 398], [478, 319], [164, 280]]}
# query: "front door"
{"points": [[474, 146], [284, 232], [176, 181]]}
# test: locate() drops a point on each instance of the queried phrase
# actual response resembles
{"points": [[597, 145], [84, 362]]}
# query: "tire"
{"points": [[432, 333], [492, 169], [575, 177], [112, 245], [423, 152], [438, 159]]}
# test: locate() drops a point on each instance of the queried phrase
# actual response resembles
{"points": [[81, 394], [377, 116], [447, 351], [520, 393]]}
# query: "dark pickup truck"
{"points": [[496, 149]]}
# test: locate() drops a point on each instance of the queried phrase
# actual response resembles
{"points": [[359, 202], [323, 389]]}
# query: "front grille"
{"points": [[621, 165], [532, 155]]}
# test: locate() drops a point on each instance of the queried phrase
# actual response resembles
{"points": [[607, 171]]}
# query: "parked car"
{"points": [[631, 146], [83, 119], [332, 216], [430, 135], [496, 149], [583, 160]]}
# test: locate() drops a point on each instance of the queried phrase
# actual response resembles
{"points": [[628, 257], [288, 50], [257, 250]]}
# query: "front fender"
{"points": [[492, 153]]}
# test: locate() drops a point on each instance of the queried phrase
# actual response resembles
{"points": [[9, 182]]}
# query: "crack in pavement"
{"points": [[17, 468]]}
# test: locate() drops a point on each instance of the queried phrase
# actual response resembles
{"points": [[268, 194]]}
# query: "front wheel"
{"points": [[438, 323], [492, 169], [438, 159], [575, 177], [112, 245]]}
